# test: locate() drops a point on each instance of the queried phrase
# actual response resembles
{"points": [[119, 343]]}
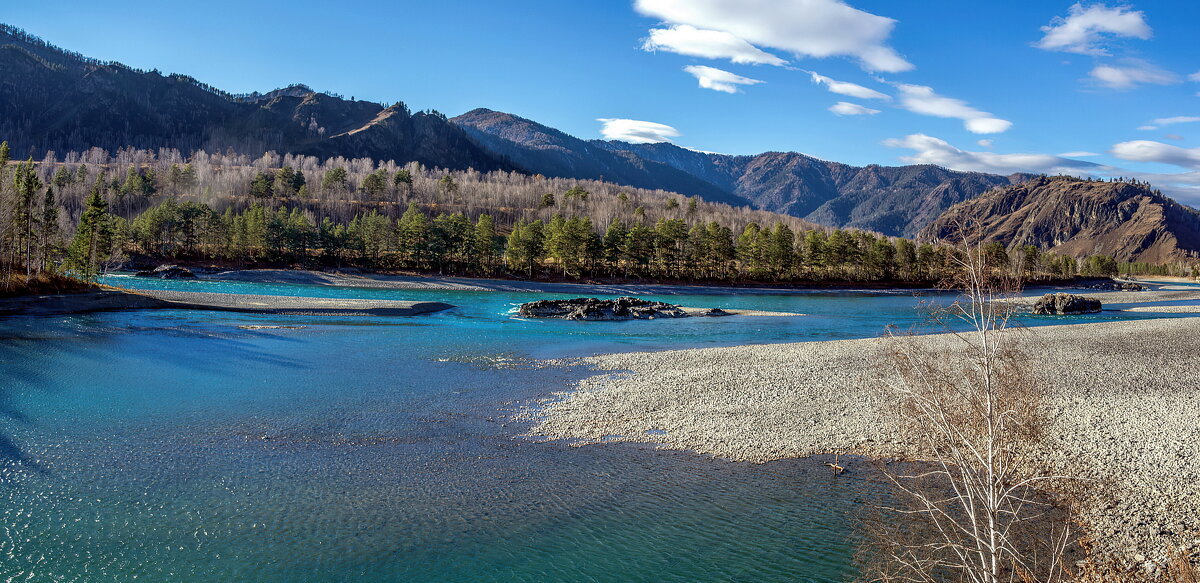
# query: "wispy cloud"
{"points": [[1131, 73], [847, 88], [805, 28], [1085, 29], [925, 101], [688, 40], [1167, 121], [636, 131], [931, 150], [719, 79], [1151, 151], [847, 108]]}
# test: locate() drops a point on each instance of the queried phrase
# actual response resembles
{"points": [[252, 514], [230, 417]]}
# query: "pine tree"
{"points": [[92, 244], [485, 243], [49, 234], [414, 235]]}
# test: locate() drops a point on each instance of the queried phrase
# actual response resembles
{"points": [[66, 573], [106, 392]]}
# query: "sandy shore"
{"points": [[429, 282], [1125, 398], [112, 300]]}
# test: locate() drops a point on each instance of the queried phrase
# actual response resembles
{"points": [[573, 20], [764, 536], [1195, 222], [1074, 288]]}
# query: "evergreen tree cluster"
{"points": [[84, 213]]}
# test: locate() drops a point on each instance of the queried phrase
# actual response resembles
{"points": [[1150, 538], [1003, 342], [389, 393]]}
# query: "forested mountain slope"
{"points": [[895, 201], [1126, 220], [53, 99], [544, 150]]}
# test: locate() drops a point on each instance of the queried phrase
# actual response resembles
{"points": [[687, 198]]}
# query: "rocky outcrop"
{"points": [[168, 272], [593, 309], [1066, 304], [1077, 217]]}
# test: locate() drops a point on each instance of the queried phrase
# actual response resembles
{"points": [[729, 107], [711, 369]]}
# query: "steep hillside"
{"points": [[891, 200], [1128, 221], [544, 150], [52, 99]]}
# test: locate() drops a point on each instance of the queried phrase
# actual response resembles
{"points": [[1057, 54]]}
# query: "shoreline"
{"points": [[112, 299], [1122, 397], [373, 280]]}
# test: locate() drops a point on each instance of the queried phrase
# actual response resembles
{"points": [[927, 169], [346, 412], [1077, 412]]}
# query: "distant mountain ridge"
{"points": [[54, 99], [1078, 217], [891, 200]]}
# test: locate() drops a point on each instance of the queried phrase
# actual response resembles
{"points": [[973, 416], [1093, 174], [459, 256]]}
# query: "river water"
{"points": [[213, 446]]}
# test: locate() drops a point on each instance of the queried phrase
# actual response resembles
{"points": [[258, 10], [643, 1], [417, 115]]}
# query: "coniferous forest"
{"points": [[91, 211]]}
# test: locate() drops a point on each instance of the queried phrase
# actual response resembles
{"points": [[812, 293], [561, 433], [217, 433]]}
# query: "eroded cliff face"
{"points": [[1128, 221]]}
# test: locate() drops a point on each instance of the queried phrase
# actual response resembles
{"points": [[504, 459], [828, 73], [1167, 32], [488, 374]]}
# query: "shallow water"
{"points": [[178, 445]]}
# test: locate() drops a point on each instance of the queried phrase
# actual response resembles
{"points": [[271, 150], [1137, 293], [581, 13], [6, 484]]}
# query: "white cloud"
{"points": [[847, 108], [709, 44], [1194, 77], [1085, 28], [925, 101], [636, 131], [1130, 73], [1167, 121], [1081, 154], [1150, 151], [985, 143], [719, 79], [1184, 186], [931, 150], [987, 125], [846, 88], [806, 28]]}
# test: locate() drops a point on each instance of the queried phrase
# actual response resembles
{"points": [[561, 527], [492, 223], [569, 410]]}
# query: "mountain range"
{"points": [[53, 99], [896, 200]]}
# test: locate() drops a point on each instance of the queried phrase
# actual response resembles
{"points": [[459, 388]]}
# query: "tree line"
{"points": [[90, 210]]}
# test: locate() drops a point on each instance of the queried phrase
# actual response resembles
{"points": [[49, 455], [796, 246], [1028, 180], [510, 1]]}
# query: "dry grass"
{"points": [[17, 284]]}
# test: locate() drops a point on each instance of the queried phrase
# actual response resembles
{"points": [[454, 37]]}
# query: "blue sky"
{"points": [[999, 86]]}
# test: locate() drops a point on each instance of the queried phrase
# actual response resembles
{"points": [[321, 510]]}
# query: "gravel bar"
{"points": [[111, 300], [1124, 396]]}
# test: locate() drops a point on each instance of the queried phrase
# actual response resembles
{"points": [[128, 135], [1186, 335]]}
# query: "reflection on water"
{"points": [[200, 446]]}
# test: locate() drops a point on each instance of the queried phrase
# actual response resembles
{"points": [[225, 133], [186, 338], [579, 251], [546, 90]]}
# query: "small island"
{"points": [[623, 308]]}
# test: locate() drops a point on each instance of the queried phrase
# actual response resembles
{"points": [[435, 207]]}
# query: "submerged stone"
{"points": [[168, 272]]}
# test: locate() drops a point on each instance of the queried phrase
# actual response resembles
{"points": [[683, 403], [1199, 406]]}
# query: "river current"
{"points": [[213, 446]]}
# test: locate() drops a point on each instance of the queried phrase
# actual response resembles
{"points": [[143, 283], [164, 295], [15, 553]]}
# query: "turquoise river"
{"points": [[207, 446]]}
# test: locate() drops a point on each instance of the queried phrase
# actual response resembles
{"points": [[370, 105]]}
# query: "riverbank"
{"points": [[453, 283], [1123, 398], [107, 300]]}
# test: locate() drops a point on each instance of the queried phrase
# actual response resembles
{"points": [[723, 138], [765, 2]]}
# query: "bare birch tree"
{"points": [[972, 510]]}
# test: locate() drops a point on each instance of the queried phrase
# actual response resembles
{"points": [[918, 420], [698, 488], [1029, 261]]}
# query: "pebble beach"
{"points": [[1124, 399]]}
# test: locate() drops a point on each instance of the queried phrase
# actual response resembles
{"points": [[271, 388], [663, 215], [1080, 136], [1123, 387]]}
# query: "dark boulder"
{"points": [[168, 272], [1114, 285], [593, 309], [1066, 304]]}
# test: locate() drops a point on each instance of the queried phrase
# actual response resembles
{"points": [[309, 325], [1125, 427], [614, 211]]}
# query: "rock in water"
{"points": [[1066, 304], [168, 272], [593, 309]]}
